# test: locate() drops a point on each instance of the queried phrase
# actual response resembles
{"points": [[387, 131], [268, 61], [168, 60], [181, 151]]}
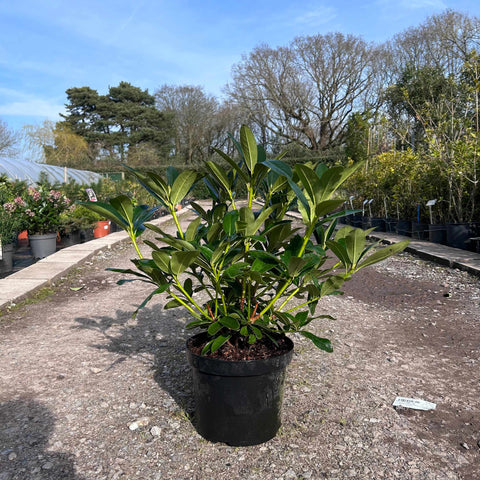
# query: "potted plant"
{"points": [[247, 275], [41, 208], [10, 221], [10, 225]]}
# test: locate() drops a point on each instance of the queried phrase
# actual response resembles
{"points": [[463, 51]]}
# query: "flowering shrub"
{"points": [[10, 222], [40, 209]]}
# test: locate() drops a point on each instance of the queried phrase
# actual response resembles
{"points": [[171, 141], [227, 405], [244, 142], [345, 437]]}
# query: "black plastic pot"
{"points": [[458, 234], [238, 403], [378, 224], [420, 230], [437, 233], [356, 221], [391, 225], [404, 227]]}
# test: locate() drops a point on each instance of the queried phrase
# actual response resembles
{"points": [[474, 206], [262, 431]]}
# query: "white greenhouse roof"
{"points": [[30, 171]]}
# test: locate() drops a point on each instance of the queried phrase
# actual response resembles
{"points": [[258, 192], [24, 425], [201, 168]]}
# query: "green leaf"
{"points": [[124, 206], [214, 328], [331, 285], [327, 206], [219, 341], [162, 260], [188, 286], [232, 163], [340, 251], [235, 269], [332, 178], [172, 304], [196, 323], [192, 229], [384, 253], [171, 174], [249, 148], [180, 261], [181, 186], [257, 332], [219, 175], [229, 221], [107, 211], [230, 322], [321, 343], [295, 264], [309, 180], [279, 167]]}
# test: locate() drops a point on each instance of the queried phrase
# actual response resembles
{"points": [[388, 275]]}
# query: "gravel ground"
{"points": [[86, 392]]}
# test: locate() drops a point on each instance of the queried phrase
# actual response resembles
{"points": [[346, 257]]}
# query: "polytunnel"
{"points": [[16, 169]]}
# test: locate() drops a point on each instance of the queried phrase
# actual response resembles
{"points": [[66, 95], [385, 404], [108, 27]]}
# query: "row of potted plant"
{"points": [[413, 194]]}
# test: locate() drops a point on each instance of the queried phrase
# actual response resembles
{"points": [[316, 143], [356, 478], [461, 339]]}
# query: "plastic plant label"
{"points": [[414, 403], [91, 194]]}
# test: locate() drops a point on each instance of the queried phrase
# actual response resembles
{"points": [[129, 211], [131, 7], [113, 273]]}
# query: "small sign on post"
{"points": [[430, 204], [370, 207]]}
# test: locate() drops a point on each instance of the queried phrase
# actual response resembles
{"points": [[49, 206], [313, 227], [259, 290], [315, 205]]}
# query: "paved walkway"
{"points": [[20, 284]]}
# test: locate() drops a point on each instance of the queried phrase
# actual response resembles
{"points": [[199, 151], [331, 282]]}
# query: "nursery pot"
{"points": [[102, 229], [420, 230], [72, 238], [404, 227], [458, 234], [391, 225], [43, 245], [6, 263], [437, 233], [238, 402], [378, 224]]}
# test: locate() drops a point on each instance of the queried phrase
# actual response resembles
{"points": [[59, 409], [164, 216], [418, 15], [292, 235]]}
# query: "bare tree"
{"points": [[305, 92], [442, 42], [194, 115], [7, 140]]}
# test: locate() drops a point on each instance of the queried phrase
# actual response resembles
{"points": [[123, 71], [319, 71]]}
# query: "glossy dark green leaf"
{"points": [[171, 173], [230, 322], [182, 185], [172, 304], [229, 222], [219, 341], [162, 260], [249, 148], [192, 229], [180, 261], [214, 328], [321, 343]]}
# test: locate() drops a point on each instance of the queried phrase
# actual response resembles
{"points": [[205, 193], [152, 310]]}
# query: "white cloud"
{"points": [[35, 107], [316, 17]]}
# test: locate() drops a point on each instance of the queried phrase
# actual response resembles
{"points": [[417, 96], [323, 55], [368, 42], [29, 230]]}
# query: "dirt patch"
{"points": [[86, 392]]}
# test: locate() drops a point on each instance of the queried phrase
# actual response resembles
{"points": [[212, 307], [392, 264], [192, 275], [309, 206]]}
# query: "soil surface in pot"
{"points": [[88, 393], [237, 349]]}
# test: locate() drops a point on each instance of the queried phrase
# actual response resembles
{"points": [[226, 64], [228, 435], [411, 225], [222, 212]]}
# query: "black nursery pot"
{"points": [[238, 402]]}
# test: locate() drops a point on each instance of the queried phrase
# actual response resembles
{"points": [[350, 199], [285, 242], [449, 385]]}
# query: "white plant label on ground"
{"points": [[414, 403]]}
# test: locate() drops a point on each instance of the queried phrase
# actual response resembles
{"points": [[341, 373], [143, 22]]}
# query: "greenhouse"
{"points": [[30, 172]]}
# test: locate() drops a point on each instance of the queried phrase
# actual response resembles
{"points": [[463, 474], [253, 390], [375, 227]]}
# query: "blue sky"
{"points": [[48, 46]]}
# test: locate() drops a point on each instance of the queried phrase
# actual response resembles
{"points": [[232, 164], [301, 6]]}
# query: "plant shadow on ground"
{"points": [[154, 333], [25, 427]]}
